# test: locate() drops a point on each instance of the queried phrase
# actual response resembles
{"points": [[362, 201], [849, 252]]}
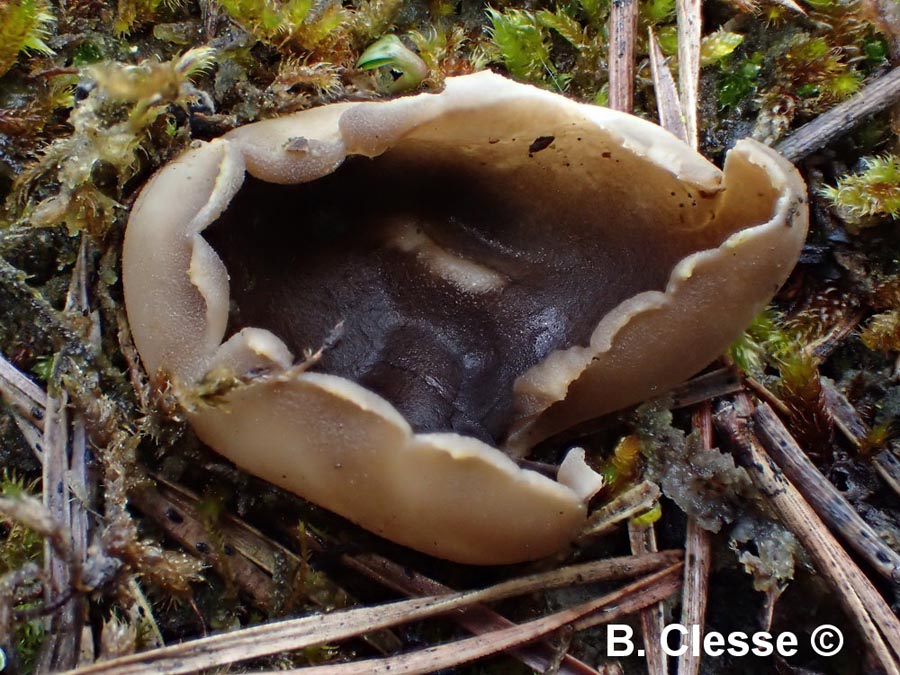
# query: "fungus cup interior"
{"points": [[501, 263], [455, 264]]}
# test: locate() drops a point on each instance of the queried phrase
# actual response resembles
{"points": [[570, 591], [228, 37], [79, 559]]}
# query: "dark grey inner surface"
{"points": [[303, 258]]}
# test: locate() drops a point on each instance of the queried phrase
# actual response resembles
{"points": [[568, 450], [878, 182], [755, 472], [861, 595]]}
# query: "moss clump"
{"points": [[882, 332], [873, 191], [110, 128], [24, 26]]}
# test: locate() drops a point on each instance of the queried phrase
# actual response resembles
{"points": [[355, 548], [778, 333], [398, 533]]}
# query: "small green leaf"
{"points": [[403, 69]]}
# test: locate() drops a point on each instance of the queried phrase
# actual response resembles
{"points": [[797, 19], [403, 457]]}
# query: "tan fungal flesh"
{"points": [[677, 259]]}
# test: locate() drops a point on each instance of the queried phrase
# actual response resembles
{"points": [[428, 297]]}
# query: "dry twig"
{"points": [[608, 608], [698, 560], [643, 541], [296, 634], [634, 500], [843, 118], [623, 16]]}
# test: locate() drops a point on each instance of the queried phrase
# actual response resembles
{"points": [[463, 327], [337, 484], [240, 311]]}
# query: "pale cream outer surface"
{"points": [[343, 447]]}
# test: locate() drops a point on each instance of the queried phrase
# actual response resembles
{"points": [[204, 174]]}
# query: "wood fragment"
{"points": [[862, 602], [843, 118], [823, 496], [60, 650], [643, 540], [21, 394], [823, 346], [67, 496], [687, 13], [668, 105], [704, 387], [630, 503], [623, 16], [698, 560]]}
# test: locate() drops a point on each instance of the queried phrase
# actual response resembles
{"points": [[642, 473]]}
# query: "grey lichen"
{"points": [[704, 483]]}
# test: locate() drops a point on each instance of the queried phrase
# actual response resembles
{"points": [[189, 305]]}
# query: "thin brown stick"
{"points": [[293, 634], [846, 418], [668, 104], [623, 16], [888, 467], [766, 395], [698, 560], [687, 13], [862, 602], [877, 96], [610, 607], [643, 540], [23, 395], [705, 387], [480, 619], [823, 496]]}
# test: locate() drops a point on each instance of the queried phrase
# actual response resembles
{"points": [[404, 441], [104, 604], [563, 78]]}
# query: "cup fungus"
{"points": [[503, 263]]}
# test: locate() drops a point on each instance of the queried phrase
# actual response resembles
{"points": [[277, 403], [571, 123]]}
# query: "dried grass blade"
{"points": [[318, 629], [479, 619], [612, 606], [643, 540], [633, 501], [667, 102]]}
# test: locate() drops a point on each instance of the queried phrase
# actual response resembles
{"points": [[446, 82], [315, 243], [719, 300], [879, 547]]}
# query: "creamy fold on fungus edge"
{"points": [[502, 263]]}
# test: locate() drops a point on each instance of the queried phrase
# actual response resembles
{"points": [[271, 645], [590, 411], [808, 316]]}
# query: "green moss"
{"points": [[882, 332], [523, 44], [110, 128], [740, 80], [874, 191], [24, 26], [716, 46], [761, 344]]}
